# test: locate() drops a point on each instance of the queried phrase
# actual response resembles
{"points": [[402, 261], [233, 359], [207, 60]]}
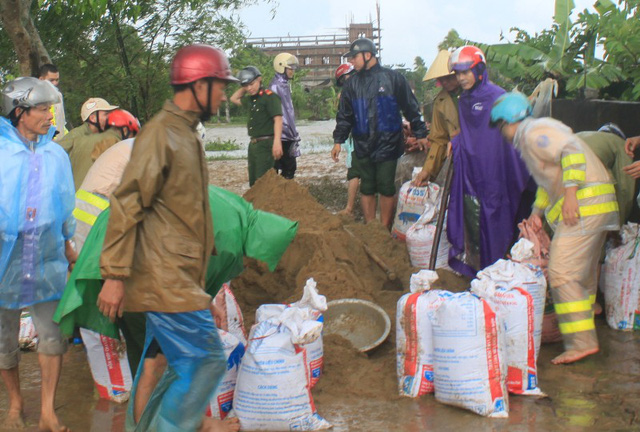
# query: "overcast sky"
{"points": [[410, 28]]}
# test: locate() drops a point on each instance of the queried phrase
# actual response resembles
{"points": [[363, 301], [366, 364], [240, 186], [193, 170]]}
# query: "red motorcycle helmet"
{"points": [[465, 58], [342, 71], [120, 118], [195, 62]]}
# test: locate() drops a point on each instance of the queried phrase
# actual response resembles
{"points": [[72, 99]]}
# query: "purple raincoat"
{"points": [[487, 188], [280, 86]]}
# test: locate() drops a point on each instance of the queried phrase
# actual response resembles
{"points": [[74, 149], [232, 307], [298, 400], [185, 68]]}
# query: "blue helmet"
{"points": [[510, 107], [612, 128]]}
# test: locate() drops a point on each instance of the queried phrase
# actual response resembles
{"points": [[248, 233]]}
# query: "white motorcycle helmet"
{"points": [[28, 92], [285, 60]]}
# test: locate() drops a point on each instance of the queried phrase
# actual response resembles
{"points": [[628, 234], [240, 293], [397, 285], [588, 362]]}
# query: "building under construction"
{"points": [[320, 54]]}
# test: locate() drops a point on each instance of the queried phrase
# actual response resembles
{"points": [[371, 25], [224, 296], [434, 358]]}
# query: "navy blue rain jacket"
{"points": [[370, 109]]}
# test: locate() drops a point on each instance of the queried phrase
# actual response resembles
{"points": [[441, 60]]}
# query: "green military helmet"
{"points": [[248, 75]]}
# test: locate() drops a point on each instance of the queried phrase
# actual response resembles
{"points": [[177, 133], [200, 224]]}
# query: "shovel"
{"points": [[392, 283], [444, 203]]}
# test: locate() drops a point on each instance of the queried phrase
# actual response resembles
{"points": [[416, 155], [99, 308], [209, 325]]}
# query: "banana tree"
{"points": [[565, 53]]}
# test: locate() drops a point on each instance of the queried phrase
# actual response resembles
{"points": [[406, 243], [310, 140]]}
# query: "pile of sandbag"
{"points": [[221, 402], [281, 364], [413, 201], [420, 238], [233, 336], [316, 304], [414, 342], [415, 223], [450, 345], [469, 359], [473, 348], [620, 281]]}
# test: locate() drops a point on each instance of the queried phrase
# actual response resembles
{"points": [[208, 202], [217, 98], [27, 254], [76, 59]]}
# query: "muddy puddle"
{"points": [[600, 393]]}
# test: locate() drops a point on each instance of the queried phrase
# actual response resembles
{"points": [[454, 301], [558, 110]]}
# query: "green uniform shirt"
{"points": [[263, 107], [610, 150], [80, 142]]}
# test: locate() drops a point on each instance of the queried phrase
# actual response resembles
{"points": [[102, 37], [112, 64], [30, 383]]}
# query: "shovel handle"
{"points": [[444, 202]]}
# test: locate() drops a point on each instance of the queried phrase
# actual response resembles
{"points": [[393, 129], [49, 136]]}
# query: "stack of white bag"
{"points": [[620, 280], [412, 203], [109, 365], [316, 304], [273, 391], [421, 236], [469, 362], [221, 402], [232, 334], [519, 273], [414, 346], [515, 312]]}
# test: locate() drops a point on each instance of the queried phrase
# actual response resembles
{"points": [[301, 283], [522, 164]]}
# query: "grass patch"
{"points": [[223, 158], [219, 145], [235, 121]]}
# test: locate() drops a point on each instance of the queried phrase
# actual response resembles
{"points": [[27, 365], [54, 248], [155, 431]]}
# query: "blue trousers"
{"points": [[195, 366]]}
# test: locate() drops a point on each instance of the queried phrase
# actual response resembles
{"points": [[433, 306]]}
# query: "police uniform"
{"points": [[263, 107], [557, 160]]}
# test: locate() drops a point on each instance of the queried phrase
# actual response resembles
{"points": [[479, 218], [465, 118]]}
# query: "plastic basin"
{"points": [[365, 324]]}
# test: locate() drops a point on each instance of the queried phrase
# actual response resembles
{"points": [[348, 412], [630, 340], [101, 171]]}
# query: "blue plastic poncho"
{"points": [[36, 203]]}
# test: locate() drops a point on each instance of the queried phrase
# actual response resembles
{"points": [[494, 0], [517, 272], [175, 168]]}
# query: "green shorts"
{"points": [[352, 171], [376, 177]]}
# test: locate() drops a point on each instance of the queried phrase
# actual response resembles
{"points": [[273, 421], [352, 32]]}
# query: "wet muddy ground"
{"points": [[600, 393]]}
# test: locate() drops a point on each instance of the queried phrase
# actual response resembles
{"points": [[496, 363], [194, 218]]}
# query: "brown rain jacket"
{"points": [[160, 233], [444, 126]]}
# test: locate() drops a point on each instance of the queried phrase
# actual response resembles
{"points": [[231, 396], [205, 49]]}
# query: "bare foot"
{"points": [[51, 423], [572, 356], [215, 425], [597, 309], [14, 420]]}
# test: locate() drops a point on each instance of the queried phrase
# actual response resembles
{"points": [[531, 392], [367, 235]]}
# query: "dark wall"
{"points": [[589, 115]]}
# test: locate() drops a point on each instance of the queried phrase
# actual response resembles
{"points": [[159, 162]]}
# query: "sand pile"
{"points": [[322, 249], [330, 250]]}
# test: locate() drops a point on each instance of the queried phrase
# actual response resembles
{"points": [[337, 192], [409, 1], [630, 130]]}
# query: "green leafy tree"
{"points": [[121, 50], [451, 41], [567, 51]]}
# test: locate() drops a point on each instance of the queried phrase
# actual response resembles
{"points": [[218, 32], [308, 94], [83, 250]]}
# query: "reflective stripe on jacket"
{"points": [[557, 159], [88, 207]]}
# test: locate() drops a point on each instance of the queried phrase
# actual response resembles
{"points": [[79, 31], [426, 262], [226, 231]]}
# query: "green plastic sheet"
{"points": [[239, 231]]}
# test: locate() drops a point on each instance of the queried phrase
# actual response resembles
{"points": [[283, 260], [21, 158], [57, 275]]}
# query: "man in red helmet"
{"points": [[157, 245]]}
